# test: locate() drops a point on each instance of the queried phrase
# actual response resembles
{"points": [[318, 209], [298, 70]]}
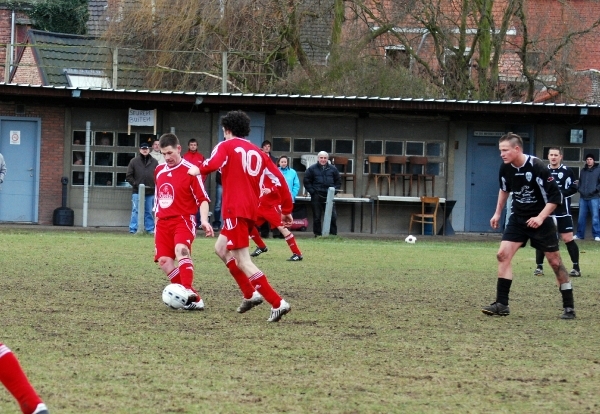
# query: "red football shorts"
{"points": [[172, 231], [236, 230], [270, 214]]}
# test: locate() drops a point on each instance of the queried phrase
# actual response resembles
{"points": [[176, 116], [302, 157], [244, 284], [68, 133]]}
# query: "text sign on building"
{"points": [[15, 137], [138, 117]]}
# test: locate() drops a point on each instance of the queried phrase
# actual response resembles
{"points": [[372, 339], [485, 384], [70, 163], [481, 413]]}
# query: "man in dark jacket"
{"points": [[589, 196], [317, 180], [141, 171]]}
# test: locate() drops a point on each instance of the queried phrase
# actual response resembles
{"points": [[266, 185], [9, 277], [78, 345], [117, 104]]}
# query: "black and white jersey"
{"points": [[564, 177], [532, 186]]}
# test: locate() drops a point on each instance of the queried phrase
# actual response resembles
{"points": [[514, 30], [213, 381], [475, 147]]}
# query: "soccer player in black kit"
{"points": [[564, 177], [535, 195]]}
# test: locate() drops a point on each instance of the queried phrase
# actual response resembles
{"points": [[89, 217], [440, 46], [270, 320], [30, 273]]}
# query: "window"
{"points": [[415, 148], [87, 78], [569, 154], [594, 151], [149, 138], [344, 146], [374, 147], [303, 145], [397, 56], [434, 149], [282, 144], [394, 147], [110, 154], [324, 145]]}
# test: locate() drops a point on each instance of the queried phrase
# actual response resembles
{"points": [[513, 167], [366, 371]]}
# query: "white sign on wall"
{"points": [[138, 117], [15, 137]]}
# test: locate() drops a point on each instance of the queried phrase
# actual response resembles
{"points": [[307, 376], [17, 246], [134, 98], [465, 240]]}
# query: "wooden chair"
{"points": [[376, 170], [428, 215], [421, 174], [341, 163], [398, 171]]}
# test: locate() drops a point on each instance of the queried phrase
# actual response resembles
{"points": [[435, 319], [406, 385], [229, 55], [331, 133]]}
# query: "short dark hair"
{"points": [[286, 158], [237, 122], [192, 141], [555, 149], [590, 155], [514, 139], [266, 142], [169, 140]]}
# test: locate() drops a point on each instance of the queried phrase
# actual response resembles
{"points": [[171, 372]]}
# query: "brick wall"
{"points": [[21, 28], [51, 155], [27, 72]]}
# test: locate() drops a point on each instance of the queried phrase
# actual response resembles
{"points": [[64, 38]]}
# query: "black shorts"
{"points": [[543, 238], [564, 224]]}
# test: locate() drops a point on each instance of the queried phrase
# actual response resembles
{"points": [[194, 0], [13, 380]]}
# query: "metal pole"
{"points": [[224, 74], [328, 211], [141, 207], [86, 173]]}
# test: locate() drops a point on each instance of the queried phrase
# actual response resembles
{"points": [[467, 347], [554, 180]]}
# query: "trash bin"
{"points": [[428, 229]]}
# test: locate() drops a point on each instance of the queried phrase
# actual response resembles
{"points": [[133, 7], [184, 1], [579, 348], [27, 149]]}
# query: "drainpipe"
{"points": [[12, 42]]}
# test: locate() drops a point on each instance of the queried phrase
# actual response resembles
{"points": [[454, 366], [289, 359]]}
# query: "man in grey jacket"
{"points": [[2, 169], [141, 171], [589, 197]]}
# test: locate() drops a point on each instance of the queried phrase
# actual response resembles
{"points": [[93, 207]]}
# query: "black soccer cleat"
{"points": [[259, 251], [569, 313], [496, 308], [295, 258]]}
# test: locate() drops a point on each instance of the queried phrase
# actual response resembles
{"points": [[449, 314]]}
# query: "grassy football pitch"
{"points": [[375, 327]]}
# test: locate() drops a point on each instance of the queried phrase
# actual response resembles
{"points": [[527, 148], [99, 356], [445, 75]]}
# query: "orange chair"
{"points": [[398, 171], [341, 163], [376, 170], [422, 174], [429, 208]]}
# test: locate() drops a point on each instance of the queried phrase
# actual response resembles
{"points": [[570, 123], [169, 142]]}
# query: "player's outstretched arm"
{"points": [[204, 223]]}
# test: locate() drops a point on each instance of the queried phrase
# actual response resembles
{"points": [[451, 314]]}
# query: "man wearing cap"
{"points": [[141, 171], [589, 196]]}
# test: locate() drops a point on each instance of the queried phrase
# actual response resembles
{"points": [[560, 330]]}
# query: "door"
{"points": [[482, 177], [20, 146]]}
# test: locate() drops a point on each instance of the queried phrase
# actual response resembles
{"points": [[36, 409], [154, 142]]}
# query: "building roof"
{"points": [[363, 106], [57, 53]]}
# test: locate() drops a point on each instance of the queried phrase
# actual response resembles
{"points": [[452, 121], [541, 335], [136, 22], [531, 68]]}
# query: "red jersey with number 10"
{"points": [[245, 170], [177, 193]]}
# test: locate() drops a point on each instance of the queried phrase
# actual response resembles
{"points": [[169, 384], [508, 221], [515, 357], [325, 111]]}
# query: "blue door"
{"points": [[20, 146], [483, 163], [257, 127]]}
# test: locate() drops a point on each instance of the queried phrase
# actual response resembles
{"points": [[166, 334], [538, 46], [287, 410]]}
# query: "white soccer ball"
{"points": [[175, 296], [410, 239]]}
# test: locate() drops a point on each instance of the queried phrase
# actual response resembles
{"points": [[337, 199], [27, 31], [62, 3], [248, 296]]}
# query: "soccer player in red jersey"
{"points": [[244, 170], [177, 198], [269, 210], [16, 382]]}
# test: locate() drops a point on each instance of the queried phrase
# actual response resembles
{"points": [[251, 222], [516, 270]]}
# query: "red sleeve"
{"points": [[216, 160], [287, 204]]}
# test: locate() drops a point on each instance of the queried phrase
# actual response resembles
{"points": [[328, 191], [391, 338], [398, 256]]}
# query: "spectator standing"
{"points": [[196, 158], [266, 148], [244, 169], [290, 175], [317, 180], [155, 153], [14, 379], [589, 191], [141, 171], [178, 196]]}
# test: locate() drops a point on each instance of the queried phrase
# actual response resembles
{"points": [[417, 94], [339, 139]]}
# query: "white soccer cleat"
{"points": [[277, 314], [195, 306], [248, 304], [41, 409]]}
